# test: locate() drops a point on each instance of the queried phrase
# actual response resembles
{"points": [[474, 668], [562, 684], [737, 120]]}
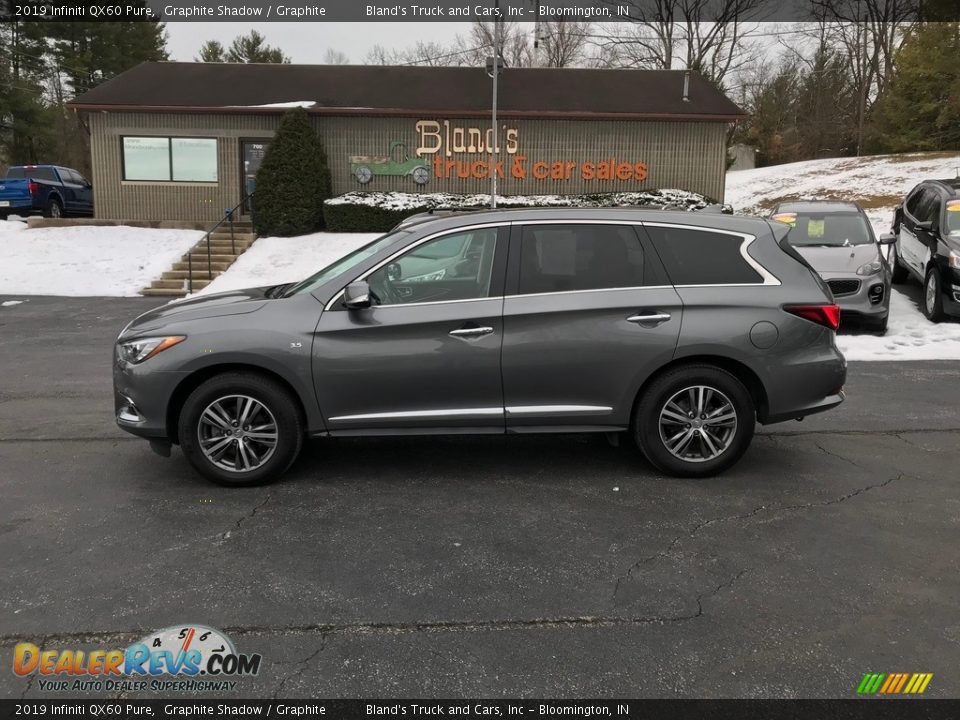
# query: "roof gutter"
{"points": [[409, 112]]}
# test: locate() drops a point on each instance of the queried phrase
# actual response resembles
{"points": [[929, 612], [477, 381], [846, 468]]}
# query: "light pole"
{"points": [[493, 116]]}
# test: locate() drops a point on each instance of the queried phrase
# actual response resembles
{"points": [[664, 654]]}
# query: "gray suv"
{"points": [[682, 329]]}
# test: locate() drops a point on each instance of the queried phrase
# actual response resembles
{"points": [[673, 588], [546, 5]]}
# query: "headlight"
{"points": [[429, 277], [136, 351], [870, 268], [953, 259]]}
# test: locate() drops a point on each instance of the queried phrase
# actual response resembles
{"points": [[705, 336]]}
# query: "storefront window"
{"points": [[146, 158], [166, 159]]}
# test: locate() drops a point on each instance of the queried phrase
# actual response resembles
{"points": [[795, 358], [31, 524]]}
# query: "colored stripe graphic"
{"points": [[894, 683]]}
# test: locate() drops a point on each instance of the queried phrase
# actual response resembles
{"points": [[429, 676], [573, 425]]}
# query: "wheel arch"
{"points": [[739, 370], [190, 383]]}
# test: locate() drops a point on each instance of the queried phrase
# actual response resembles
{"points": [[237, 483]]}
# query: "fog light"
{"points": [[130, 412], [875, 293]]}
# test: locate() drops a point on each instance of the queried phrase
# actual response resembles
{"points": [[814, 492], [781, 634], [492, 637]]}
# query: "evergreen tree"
{"points": [[211, 51], [920, 109], [253, 48], [293, 180]]}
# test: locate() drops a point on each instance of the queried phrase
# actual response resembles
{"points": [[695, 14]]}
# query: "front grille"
{"points": [[843, 287]]}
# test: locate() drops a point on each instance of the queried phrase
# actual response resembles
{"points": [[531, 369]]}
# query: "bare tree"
{"points": [[708, 36], [335, 57], [869, 33], [561, 44]]}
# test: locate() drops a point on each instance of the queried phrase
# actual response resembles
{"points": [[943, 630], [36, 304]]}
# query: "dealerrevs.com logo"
{"points": [[186, 657]]}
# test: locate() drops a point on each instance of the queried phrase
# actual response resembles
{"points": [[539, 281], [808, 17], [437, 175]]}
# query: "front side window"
{"points": [[164, 159], [458, 266], [565, 258], [702, 257], [953, 217]]}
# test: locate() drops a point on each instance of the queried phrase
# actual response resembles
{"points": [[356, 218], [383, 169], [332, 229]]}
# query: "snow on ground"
{"points": [[12, 225], [87, 260], [275, 260], [10, 303]]}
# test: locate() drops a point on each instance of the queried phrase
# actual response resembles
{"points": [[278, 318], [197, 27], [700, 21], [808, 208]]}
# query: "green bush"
{"points": [[380, 211], [293, 180]]}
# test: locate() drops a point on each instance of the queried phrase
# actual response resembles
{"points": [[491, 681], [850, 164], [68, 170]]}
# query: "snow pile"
{"points": [[669, 199], [11, 226], [275, 260], [87, 260]]}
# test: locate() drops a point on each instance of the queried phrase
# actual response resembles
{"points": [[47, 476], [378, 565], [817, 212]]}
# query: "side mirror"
{"points": [[888, 239], [356, 295]]}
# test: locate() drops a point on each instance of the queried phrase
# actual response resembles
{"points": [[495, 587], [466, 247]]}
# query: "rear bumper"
{"points": [[16, 205], [827, 403]]}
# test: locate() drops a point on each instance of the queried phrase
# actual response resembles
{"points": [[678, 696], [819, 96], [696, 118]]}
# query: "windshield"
{"points": [[953, 217], [839, 229], [344, 264]]}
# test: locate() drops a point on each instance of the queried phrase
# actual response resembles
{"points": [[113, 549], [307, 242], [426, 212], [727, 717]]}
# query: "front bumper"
{"points": [[860, 297], [141, 399]]}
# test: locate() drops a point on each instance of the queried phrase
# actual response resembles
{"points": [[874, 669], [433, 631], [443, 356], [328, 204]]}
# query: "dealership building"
{"points": [[183, 141]]}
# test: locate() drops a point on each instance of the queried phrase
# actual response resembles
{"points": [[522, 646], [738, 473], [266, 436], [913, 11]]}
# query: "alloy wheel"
{"points": [[930, 297], [698, 423], [237, 433]]}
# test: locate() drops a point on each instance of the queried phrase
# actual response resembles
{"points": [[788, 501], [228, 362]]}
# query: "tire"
{"points": [[3, 215], [900, 273], [273, 408], [931, 302], [652, 436], [54, 209]]}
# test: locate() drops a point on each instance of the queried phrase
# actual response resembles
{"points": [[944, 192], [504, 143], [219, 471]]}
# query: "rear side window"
{"points": [[563, 258], [702, 257]]}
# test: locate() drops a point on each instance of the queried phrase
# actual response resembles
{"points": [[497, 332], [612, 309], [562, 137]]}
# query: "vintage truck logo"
{"points": [[396, 163]]}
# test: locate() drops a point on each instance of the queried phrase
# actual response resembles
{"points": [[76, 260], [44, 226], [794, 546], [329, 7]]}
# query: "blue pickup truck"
{"points": [[49, 189]]}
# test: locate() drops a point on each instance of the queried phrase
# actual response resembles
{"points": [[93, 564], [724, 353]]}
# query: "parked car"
{"points": [[49, 189], [927, 229], [682, 329], [837, 240]]}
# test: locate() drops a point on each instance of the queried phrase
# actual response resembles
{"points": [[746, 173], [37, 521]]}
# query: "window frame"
{"points": [[497, 271], [767, 277], [169, 139]]}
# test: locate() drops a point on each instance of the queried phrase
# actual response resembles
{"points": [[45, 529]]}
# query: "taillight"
{"points": [[826, 315], [32, 187]]}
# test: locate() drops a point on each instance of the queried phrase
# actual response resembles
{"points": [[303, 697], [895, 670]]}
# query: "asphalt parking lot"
{"points": [[487, 567]]}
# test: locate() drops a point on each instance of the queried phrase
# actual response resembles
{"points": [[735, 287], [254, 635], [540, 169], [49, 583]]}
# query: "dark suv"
{"points": [[683, 329], [927, 226]]}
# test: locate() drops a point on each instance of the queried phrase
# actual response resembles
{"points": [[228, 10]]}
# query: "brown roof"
{"points": [[402, 90]]}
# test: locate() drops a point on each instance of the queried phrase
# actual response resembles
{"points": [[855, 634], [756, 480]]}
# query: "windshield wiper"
{"points": [[277, 290]]}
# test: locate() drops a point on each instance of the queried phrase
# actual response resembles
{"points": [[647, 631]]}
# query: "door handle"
{"points": [[649, 317], [471, 331]]}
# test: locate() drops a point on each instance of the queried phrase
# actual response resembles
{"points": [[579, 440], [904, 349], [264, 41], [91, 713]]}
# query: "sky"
{"points": [[308, 42]]}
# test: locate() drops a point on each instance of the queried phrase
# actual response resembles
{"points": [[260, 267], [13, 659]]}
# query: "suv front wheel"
{"points": [[694, 421], [240, 429]]}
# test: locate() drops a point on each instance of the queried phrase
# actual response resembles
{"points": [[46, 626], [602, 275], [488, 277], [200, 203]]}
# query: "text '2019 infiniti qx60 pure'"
{"points": [[684, 330]]}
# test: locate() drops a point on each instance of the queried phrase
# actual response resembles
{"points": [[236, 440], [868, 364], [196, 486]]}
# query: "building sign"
{"points": [[450, 152], [448, 144]]}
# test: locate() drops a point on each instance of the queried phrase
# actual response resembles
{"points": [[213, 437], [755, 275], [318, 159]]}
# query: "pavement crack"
{"points": [[30, 679], [243, 518], [302, 666], [623, 577], [822, 449]]}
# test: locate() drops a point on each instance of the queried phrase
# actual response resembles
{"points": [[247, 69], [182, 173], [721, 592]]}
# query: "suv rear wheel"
{"points": [[694, 421], [240, 429]]}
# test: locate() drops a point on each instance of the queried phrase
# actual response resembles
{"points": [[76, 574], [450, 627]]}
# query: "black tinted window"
{"points": [[34, 173], [914, 201], [701, 257], [560, 258]]}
